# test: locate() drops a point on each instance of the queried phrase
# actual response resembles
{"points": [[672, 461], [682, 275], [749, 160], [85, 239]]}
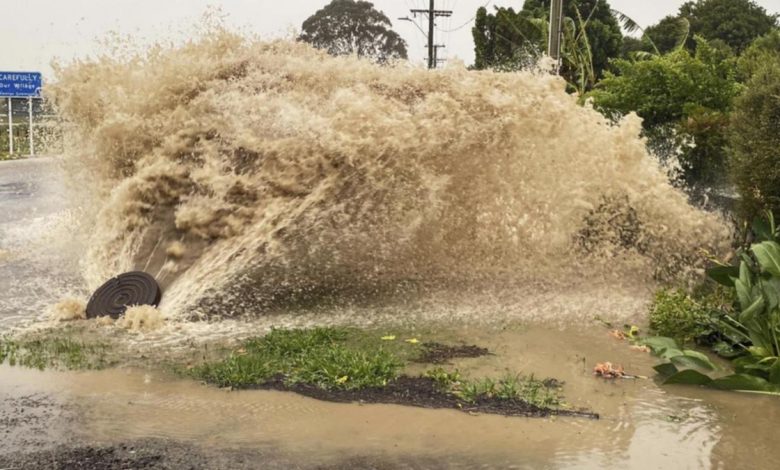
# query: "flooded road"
{"points": [[642, 425], [38, 259]]}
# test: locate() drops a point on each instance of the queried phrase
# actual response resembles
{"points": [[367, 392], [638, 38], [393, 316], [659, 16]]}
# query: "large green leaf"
{"points": [[768, 256], [659, 343], [771, 290], [666, 369], [724, 349], [723, 274], [689, 377], [690, 362], [774, 372], [762, 229], [744, 286], [700, 356], [751, 311], [742, 382]]}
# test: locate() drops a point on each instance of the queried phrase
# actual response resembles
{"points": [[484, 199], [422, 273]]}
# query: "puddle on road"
{"points": [[642, 425]]}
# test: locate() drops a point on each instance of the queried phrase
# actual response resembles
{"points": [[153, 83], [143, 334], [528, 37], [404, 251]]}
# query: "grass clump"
{"points": [[53, 352], [320, 357], [511, 387]]}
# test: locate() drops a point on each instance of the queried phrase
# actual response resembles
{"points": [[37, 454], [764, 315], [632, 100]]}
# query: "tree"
{"points": [[506, 39], [735, 22], [509, 40], [754, 137], [346, 27], [764, 49], [679, 96], [668, 34]]}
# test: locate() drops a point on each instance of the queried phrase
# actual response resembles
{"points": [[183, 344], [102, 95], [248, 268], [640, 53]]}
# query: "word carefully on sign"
{"points": [[20, 84]]}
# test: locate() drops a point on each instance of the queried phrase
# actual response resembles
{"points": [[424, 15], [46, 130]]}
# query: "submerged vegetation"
{"points": [[346, 364], [318, 356], [59, 351], [540, 393]]}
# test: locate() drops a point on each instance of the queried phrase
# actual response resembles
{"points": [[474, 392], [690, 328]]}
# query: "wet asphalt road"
{"points": [[38, 265]]}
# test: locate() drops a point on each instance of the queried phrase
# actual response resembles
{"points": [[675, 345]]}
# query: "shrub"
{"points": [[676, 314], [754, 138]]}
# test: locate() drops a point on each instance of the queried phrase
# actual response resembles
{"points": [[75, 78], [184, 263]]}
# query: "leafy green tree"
{"points": [[507, 39], [668, 34], [764, 49], [679, 96], [735, 22], [754, 135], [346, 27]]}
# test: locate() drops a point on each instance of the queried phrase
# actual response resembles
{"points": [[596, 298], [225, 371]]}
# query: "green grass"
{"points": [[53, 352], [544, 394], [348, 359], [319, 356]]}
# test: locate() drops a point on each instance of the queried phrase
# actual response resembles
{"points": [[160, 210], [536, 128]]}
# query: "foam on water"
{"points": [[244, 174]]}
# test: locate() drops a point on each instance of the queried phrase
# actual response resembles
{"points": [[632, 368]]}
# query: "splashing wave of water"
{"points": [[243, 173]]}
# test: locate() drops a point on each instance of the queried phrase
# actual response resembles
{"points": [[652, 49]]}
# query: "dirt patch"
{"points": [[437, 353], [33, 420], [160, 454], [422, 392]]}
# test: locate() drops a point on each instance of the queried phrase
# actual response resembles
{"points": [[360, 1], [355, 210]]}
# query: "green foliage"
{"points": [[676, 314], [52, 352], [669, 34], [691, 94], [735, 22], [763, 50], [541, 393], [346, 27], [318, 357], [506, 40], [754, 136], [751, 335], [510, 40]]}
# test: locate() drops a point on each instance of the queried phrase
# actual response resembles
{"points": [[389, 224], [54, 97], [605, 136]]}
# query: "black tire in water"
{"points": [[117, 294]]}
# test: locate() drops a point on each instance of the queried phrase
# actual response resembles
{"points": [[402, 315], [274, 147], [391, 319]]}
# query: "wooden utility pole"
{"points": [[556, 33], [432, 13]]}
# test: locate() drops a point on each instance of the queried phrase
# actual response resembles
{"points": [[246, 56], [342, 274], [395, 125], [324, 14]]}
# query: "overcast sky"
{"points": [[35, 31]]}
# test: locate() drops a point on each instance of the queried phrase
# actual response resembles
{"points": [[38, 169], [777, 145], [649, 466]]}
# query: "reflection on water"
{"points": [[642, 425]]}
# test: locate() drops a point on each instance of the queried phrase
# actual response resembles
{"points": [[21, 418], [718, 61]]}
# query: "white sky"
{"points": [[33, 32]]}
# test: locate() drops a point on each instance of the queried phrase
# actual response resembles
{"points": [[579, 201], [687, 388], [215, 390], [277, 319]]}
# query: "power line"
{"points": [[467, 22], [431, 13]]}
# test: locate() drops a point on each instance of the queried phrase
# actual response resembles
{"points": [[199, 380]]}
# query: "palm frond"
{"points": [[632, 26], [641, 55], [682, 32]]}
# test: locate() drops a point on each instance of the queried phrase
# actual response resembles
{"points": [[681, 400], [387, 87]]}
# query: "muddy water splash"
{"points": [[241, 172]]}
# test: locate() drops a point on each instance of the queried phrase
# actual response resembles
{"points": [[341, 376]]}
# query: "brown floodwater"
{"points": [[643, 425]]}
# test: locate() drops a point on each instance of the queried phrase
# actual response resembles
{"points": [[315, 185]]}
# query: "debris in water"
{"points": [[68, 310], [117, 294], [608, 371], [142, 318]]}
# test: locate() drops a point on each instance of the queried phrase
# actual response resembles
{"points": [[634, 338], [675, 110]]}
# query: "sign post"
{"points": [[10, 127], [30, 132], [20, 85]]}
